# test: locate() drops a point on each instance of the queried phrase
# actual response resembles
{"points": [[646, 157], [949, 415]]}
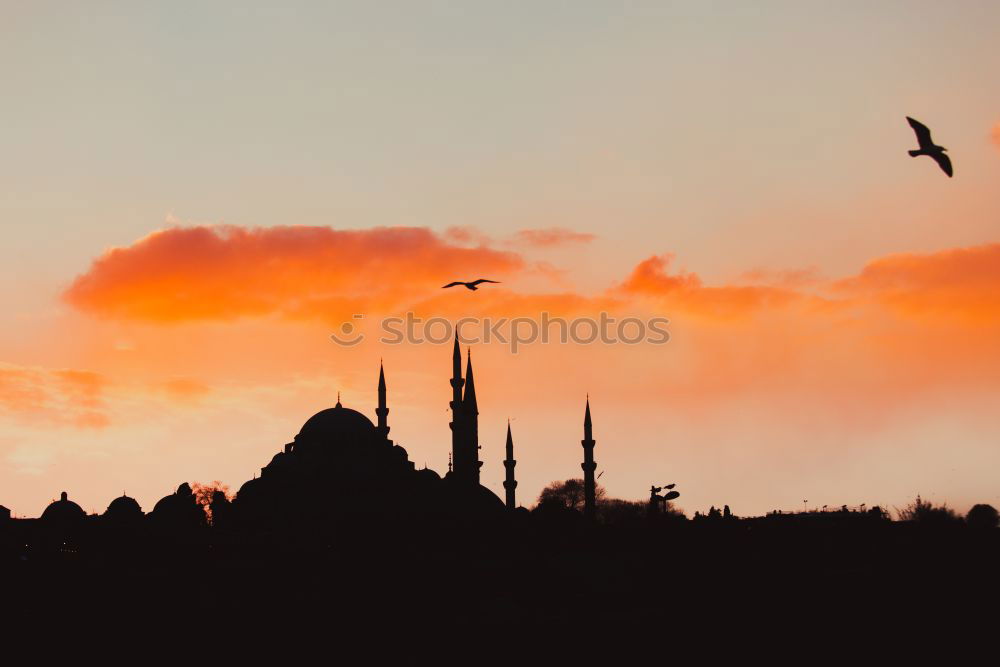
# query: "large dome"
{"points": [[63, 509], [338, 423], [123, 507]]}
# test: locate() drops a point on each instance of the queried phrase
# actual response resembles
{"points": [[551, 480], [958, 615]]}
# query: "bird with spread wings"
{"points": [[928, 147], [474, 285]]}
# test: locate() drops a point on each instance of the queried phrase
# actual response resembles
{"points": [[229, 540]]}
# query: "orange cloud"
{"points": [[956, 283], [309, 273], [185, 389], [685, 292], [995, 135], [57, 397], [228, 272]]}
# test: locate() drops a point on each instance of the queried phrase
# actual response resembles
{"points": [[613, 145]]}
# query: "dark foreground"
{"points": [[519, 571]]}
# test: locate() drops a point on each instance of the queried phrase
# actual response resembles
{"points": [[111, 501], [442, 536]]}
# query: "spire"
{"points": [[510, 483], [382, 411], [588, 465], [464, 421], [338, 405], [449, 461], [456, 359], [470, 388]]}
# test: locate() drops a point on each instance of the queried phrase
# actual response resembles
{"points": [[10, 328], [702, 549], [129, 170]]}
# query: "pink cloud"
{"points": [[550, 237]]}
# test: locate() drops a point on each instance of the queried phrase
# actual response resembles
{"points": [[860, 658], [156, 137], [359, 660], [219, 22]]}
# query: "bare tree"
{"points": [[207, 495]]}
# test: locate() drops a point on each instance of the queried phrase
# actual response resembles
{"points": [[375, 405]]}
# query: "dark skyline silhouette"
{"points": [[341, 514]]}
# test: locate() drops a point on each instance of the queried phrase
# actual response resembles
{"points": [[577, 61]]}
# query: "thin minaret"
{"points": [[457, 424], [382, 411], [510, 483], [588, 465], [470, 409]]}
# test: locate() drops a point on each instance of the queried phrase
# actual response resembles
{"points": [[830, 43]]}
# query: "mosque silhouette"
{"points": [[340, 463]]}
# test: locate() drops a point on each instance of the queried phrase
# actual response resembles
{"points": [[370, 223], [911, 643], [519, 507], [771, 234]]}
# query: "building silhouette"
{"points": [[341, 463]]}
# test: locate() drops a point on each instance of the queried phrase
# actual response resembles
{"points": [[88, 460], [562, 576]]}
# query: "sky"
{"points": [[194, 197]]}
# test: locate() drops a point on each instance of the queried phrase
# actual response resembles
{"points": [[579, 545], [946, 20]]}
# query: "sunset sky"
{"points": [[194, 196]]}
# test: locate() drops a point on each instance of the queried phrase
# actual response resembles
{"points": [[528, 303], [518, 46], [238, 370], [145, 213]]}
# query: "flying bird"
{"points": [[928, 147], [473, 285]]}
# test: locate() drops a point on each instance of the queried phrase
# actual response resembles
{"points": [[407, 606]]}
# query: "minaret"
{"points": [[457, 424], [470, 440], [382, 411], [588, 465], [510, 483]]}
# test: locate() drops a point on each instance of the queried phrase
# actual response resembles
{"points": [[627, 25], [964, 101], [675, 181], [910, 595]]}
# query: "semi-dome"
{"points": [[337, 423], [63, 509]]}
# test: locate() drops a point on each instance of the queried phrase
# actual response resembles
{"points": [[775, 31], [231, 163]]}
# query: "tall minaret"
{"points": [[510, 483], [470, 410], [382, 411], [457, 424], [588, 465]]}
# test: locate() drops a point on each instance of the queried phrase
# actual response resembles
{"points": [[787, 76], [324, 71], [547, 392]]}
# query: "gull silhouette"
{"points": [[473, 285], [928, 147]]}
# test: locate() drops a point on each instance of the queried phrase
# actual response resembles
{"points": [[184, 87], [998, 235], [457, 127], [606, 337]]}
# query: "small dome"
{"points": [[123, 507], [181, 500], [472, 498], [248, 487], [338, 423], [428, 475], [63, 509]]}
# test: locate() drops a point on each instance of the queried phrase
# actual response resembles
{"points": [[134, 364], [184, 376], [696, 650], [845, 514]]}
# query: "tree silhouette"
{"points": [[208, 496], [567, 495], [982, 516], [617, 511], [924, 512]]}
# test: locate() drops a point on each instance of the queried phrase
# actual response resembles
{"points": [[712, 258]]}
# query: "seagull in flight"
{"points": [[474, 285], [928, 147]]}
